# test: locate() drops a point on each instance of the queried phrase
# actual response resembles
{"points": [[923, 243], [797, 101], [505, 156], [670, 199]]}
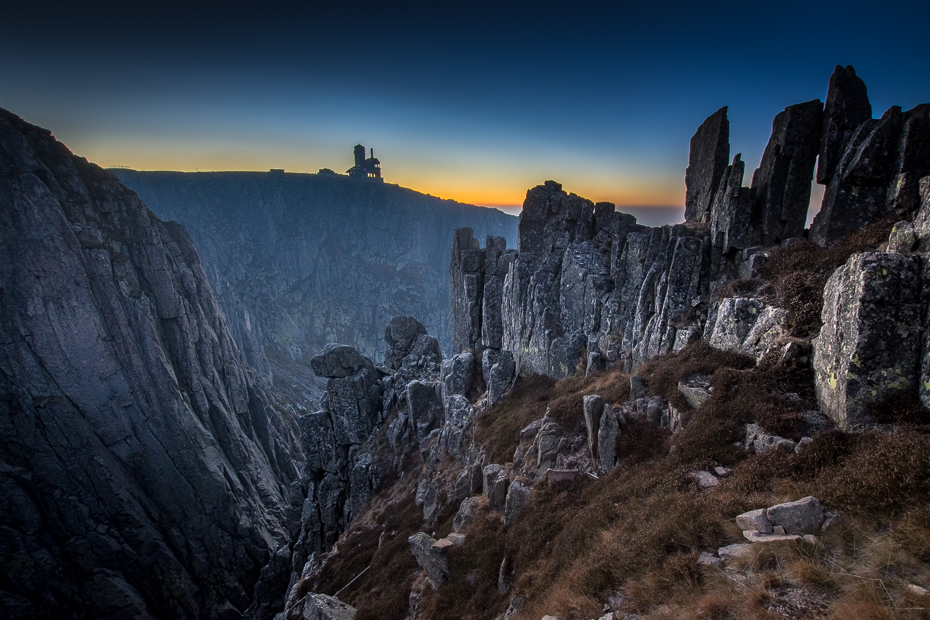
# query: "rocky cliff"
{"points": [[301, 260], [587, 288], [144, 470], [621, 393]]}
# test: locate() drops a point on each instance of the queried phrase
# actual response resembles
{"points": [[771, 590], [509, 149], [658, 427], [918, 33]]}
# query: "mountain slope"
{"points": [[299, 260], [143, 471]]}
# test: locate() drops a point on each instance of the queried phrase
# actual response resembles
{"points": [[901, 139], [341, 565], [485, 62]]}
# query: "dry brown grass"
{"points": [[382, 592], [800, 271], [498, 427]]}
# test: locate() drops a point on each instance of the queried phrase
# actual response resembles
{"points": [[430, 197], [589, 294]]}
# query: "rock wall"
{"points": [[589, 288], [144, 470]]}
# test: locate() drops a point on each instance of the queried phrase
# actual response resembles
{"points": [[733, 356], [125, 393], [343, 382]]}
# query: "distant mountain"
{"points": [[299, 260]]}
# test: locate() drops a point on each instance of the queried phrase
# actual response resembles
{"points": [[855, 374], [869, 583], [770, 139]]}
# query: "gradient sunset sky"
{"points": [[471, 101]]}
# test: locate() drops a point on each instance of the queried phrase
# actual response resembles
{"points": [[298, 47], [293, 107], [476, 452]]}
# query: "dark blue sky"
{"points": [[471, 101]]}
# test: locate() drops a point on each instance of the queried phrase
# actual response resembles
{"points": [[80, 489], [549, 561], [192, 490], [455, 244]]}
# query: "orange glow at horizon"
{"points": [[496, 184]]}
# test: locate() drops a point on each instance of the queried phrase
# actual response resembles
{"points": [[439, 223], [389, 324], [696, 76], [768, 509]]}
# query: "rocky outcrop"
{"points": [[878, 174], [300, 260], [782, 182], [319, 607], [746, 325], [846, 108], [788, 521], [433, 561], [731, 213], [710, 151], [869, 346], [144, 469]]}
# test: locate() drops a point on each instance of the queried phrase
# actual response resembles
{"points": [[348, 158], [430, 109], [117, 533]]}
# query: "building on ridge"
{"points": [[365, 168]]}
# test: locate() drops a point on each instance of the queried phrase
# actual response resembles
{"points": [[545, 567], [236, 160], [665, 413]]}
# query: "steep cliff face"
{"points": [[143, 470], [300, 260]]}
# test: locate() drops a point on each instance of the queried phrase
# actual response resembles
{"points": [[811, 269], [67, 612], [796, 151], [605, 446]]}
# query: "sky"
{"points": [[471, 101]]}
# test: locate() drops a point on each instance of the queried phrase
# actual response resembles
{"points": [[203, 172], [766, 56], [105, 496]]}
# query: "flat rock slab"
{"points": [[756, 537], [709, 559], [555, 476], [731, 552], [442, 545]]}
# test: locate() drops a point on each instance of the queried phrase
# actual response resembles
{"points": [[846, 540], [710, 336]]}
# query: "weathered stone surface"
{"points": [[458, 374], [705, 479], [424, 352], [497, 263], [922, 219], [710, 151], [496, 481], [424, 406], [709, 559], [518, 498], [912, 162], [144, 468], [671, 292], [354, 400], [782, 183], [760, 442], [336, 361], [846, 108], [593, 406], [746, 325], [466, 514], [732, 552], [467, 288], [758, 537], [550, 222], [320, 607], [902, 238], [868, 348], [858, 193], [754, 520], [500, 376], [804, 516], [434, 564], [731, 213], [442, 545], [400, 335], [607, 436], [696, 390]]}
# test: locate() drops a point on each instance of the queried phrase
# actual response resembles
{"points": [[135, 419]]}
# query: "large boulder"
{"points": [[518, 498], [336, 361], [466, 514], [710, 151], [869, 345], [804, 516], [433, 562], [400, 335]]}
